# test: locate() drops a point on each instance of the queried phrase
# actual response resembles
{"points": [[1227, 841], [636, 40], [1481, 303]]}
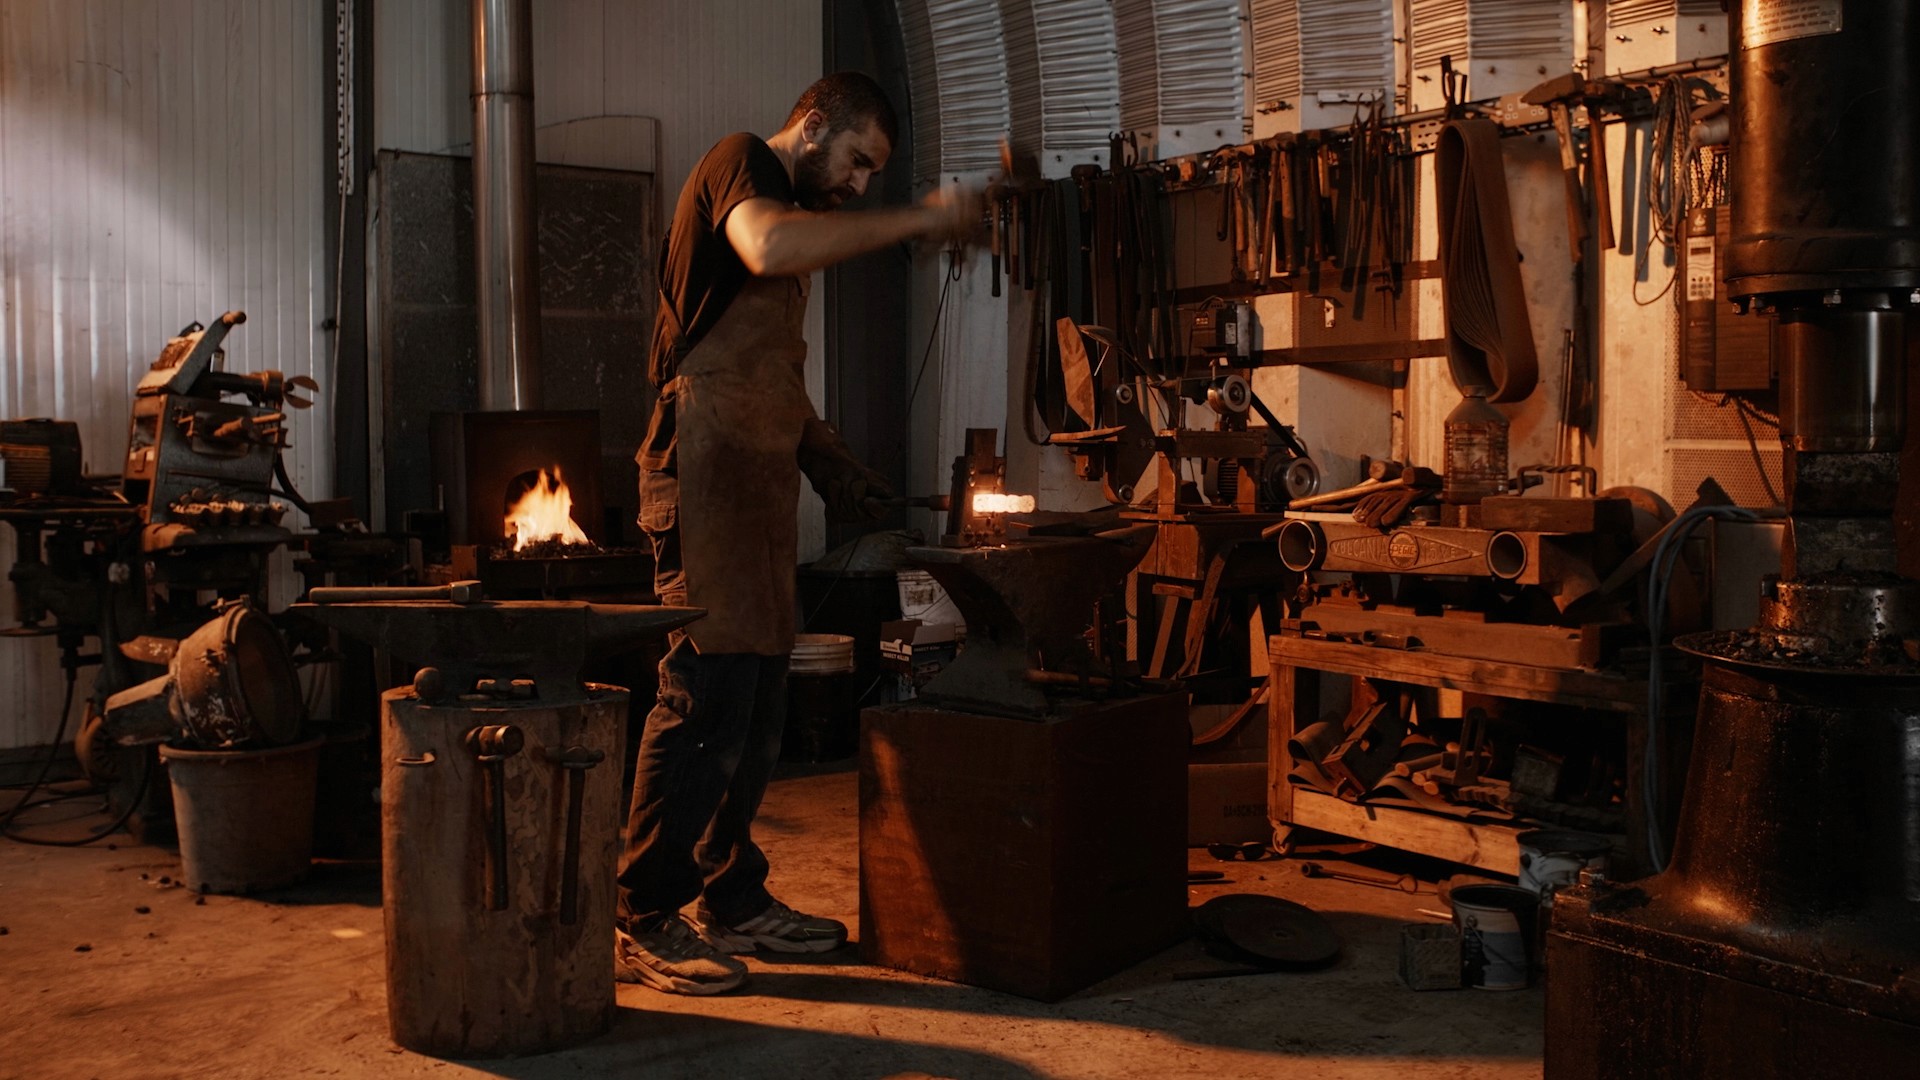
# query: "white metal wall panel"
{"points": [[1621, 12], [1439, 29], [422, 75], [161, 161], [1202, 70], [1139, 64], [1540, 30], [1346, 48], [1649, 33], [1313, 59], [1025, 124], [1276, 52], [1503, 46], [1079, 81]]}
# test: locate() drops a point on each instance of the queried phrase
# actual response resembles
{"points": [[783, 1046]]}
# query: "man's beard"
{"points": [[811, 188]]}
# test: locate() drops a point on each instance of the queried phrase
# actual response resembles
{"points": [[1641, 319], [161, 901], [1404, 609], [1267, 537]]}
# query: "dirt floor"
{"points": [[111, 969]]}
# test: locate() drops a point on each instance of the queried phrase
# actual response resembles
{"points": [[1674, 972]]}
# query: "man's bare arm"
{"points": [[775, 239]]}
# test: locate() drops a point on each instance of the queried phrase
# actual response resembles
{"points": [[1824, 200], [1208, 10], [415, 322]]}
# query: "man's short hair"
{"points": [[848, 100]]}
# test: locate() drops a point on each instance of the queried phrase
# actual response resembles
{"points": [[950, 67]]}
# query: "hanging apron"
{"points": [[741, 407]]}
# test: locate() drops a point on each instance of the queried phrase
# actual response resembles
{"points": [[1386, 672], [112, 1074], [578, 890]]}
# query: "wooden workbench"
{"points": [[1297, 663]]}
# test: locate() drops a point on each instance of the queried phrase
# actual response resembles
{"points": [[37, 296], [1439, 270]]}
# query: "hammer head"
{"points": [[464, 592]]}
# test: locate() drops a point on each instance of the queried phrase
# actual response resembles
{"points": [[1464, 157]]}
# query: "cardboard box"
{"points": [[916, 651], [1227, 803]]}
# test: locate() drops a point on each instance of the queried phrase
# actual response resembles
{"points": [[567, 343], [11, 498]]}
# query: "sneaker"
{"points": [[671, 958], [777, 929]]}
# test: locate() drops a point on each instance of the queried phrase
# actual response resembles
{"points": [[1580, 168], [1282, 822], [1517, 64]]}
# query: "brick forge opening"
{"points": [[483, 461]]}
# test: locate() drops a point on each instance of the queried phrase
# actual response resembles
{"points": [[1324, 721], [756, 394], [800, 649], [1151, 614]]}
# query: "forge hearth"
{"points": [[557, 571], [483, 461]]}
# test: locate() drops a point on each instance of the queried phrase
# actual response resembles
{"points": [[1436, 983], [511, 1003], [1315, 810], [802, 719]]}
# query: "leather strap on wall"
{"points": [[1489, 336]]}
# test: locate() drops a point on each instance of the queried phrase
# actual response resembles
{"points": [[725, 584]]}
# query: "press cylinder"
{"points": [[500, 827], [1302, 545]]}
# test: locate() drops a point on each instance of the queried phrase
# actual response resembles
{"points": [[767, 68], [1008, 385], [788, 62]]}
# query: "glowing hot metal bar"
{"points": [[988, 502]]}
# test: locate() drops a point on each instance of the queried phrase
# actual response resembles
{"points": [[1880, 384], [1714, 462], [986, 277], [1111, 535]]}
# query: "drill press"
{"points": [[1784, 937]]}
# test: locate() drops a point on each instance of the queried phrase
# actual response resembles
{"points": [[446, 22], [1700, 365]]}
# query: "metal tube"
{"points": [[506, 261]]}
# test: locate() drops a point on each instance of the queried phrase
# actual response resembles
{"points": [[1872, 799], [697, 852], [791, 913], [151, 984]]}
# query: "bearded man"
{"points": [[731, 433]]}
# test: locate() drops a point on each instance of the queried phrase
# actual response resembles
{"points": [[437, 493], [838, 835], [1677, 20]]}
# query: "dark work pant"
{"points": [[706, 755]]}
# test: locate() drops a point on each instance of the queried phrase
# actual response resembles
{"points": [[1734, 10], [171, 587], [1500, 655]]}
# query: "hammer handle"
{"points": [[1597, 169], [353, 594]]}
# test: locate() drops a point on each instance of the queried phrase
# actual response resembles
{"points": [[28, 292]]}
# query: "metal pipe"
{"points": [[506, 264]]}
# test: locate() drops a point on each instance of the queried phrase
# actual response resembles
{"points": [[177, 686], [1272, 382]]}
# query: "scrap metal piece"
{"points": [[229, 684]]}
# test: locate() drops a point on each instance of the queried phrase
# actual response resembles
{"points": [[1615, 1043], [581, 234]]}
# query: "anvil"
{"points": [[546, 641], [1028, 606]]}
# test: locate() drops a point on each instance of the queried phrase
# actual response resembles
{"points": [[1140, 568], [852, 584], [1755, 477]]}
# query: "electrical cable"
{"points": [[933, 332], [53, 755], [1753, 446], [27, 800], [140, 793], [1666, 557], [1670, 173]]}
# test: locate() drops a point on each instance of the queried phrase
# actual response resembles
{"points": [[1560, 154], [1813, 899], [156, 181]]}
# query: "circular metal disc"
{"points": [[1266, 931]]}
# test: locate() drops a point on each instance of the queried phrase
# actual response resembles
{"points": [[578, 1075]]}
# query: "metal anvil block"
{"points": [[1028, 605], [546, 641]]}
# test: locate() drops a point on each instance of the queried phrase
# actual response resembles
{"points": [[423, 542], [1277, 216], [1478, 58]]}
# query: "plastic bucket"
{"points": [[1496, 934], [245, 817], [821, 654], [1551, 859], [821, 722]]}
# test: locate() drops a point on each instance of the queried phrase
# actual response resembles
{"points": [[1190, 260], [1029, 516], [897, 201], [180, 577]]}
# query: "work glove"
{"points": [[852, 491], [1384, 509], [857, 494]]}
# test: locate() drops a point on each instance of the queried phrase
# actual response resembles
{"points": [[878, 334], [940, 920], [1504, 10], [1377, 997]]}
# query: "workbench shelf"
{"points": [[1297, 662]]}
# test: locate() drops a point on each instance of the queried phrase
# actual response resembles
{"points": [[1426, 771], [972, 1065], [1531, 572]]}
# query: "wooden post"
{"points": [[462, 980]]}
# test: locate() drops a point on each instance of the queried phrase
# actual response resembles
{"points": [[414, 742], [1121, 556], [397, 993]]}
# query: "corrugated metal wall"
{"points": [[161, 161]]}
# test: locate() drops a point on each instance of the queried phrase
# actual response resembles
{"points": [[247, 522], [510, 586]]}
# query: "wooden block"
{"points": [[1484, 846], [464, 980], [1032, 857], [1523, 513]]}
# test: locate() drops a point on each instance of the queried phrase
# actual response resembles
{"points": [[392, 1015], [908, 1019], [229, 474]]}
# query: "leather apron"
{"points": [[741, 405]]}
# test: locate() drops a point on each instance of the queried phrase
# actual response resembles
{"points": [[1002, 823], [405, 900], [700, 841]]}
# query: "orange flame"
{"points": [[545, 512]]}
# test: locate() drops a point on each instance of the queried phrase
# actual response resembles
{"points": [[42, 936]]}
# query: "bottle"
{"points": [[1476, 450]]}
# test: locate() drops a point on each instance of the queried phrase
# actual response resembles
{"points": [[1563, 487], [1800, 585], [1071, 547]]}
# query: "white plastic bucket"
{"points": [[1496, 935], [821, 654], [821, 722]]}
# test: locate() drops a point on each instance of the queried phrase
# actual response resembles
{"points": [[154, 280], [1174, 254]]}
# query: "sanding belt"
{"points": [[1489, 337]]}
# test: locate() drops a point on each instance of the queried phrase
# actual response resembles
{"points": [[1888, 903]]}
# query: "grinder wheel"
{"points": [[1266, 931]]}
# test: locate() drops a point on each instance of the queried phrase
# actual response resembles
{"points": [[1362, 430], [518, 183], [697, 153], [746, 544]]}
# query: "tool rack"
{"points": [[1299, 661]]}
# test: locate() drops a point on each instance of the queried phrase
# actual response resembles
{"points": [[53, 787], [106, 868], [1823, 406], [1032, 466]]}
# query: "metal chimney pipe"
{"points": [[503, 212]]}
